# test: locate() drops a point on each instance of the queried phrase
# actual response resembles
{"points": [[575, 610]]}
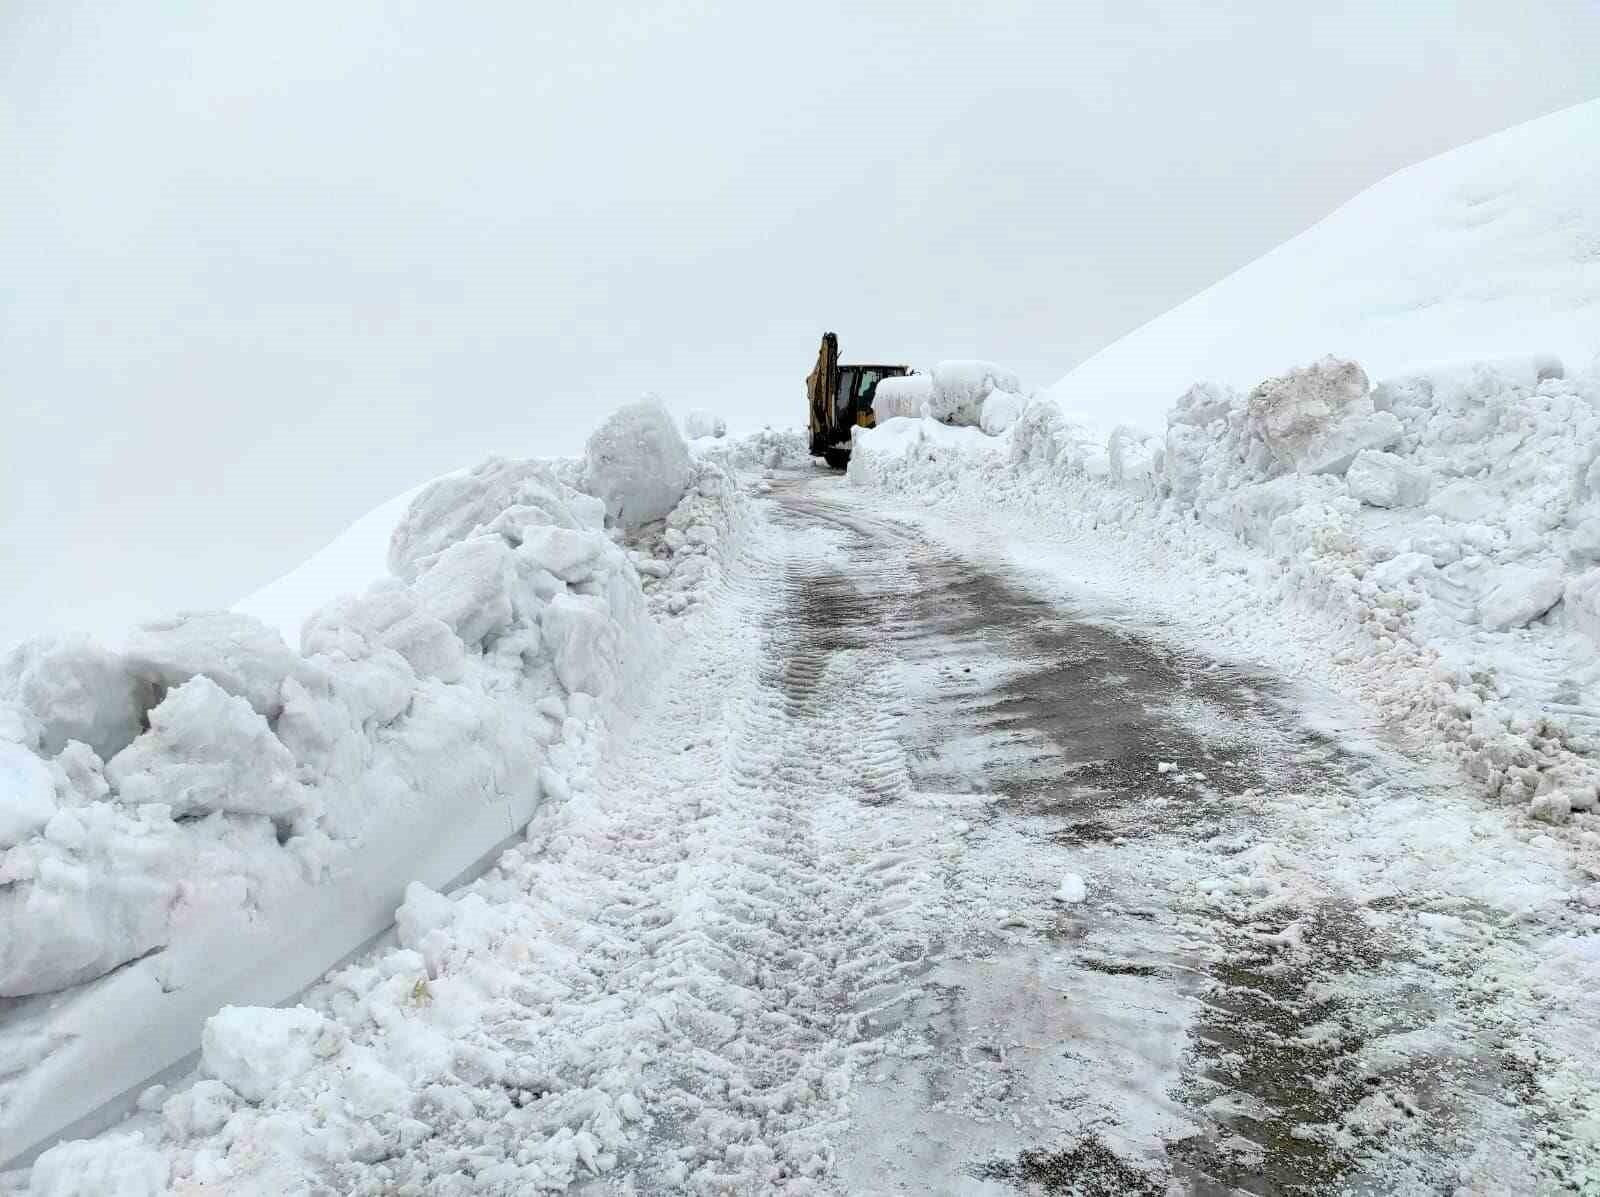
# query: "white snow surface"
{"points": [[211, 817], [1486, 250]]}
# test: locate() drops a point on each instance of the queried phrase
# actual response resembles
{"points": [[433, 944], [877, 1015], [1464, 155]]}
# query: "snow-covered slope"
{"points": [[1490, 249]]}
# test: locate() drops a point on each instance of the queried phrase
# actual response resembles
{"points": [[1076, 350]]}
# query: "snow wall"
{"points": [[208, 817]]}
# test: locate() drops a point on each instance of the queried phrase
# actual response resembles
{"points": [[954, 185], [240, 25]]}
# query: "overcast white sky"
{"points": [[265, 265]]}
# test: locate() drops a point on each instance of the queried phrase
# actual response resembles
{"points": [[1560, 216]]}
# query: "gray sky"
{"points": [[266, 265]]}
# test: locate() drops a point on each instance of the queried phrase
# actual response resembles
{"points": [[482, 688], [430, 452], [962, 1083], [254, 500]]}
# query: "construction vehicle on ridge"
{"points": [[840, 398]]}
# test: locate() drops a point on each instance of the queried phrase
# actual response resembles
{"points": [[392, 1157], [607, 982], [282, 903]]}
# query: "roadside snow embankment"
{"points": [[209, 816], [1445, 525]]}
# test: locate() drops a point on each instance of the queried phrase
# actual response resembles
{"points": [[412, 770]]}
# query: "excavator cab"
{"points": [[840, 398]]}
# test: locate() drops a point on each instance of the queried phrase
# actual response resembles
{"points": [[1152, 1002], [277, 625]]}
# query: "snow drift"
{"points": [[1484, 251], [210, 816]]}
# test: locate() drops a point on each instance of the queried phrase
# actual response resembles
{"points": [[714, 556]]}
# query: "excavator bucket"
{"points": [[822, 385]]}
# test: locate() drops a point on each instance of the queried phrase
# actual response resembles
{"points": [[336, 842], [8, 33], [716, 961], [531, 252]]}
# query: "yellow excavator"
{"points": [[840, 398]]}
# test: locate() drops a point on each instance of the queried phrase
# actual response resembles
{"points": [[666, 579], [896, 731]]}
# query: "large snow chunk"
{"points": [[1386, 480], [468, 586], [1518, 595], [27, 794], [387, 617], [113, 1165], [1316, 419], [638, 464], [960, 387], [498, 496], [700, 422], [76, 690], [207, 750], [237, 652], [1135, 459], [1000, 411], [895, 398], [566, 554], [583, 642], [254, 1050], [1204, 404]]}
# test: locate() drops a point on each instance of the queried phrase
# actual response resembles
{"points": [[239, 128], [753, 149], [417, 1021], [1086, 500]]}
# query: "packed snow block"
{"points": [[498, 496], [1519, 594], [583, 641], [206, 751], [701, 423], [1315, 420], [76, 690], [239, 653], [565, 554], [27, 794], [960, 387], [1000, 411], [334, 705], [388, 617], [468, 587], [255, 1050], [1184, 460], [95, 891], [904, 397], [113, 1165], [1581, 602], [1203, 405], [638, 464], [1381, 479], [1135, 459]]}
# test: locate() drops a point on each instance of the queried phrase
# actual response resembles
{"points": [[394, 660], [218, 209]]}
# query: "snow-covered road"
{"points": [[919, 870]]}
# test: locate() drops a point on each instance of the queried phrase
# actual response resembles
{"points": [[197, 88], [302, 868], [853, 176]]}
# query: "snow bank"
{"points": [[213, 818], [638, 464], [1487, 249], [1445, 524]]}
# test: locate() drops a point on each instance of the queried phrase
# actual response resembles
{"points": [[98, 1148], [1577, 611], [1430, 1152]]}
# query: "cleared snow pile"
{"points": [[1001, 409], [1315, 420], [213, 817], [904, 397], [958, 389], [768, 449], [681, 561], [1444, 525], [638, 464], [700, 423]]}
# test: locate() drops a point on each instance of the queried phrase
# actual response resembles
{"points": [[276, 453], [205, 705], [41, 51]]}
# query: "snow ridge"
{"points": [[211, 817]]}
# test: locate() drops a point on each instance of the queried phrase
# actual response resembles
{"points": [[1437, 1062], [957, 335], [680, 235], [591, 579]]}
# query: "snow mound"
{"points": [[1487, 249], [904, 396], [212, 818], [701, 423], [959, 388], [1446, 523], [638, 464]]}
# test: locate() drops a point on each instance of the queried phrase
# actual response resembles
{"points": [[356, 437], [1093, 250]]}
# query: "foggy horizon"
{"points": [[269, 269]]}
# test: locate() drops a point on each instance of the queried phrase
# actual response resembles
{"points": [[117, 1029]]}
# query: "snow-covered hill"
{"points": [[1490, 249]]}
